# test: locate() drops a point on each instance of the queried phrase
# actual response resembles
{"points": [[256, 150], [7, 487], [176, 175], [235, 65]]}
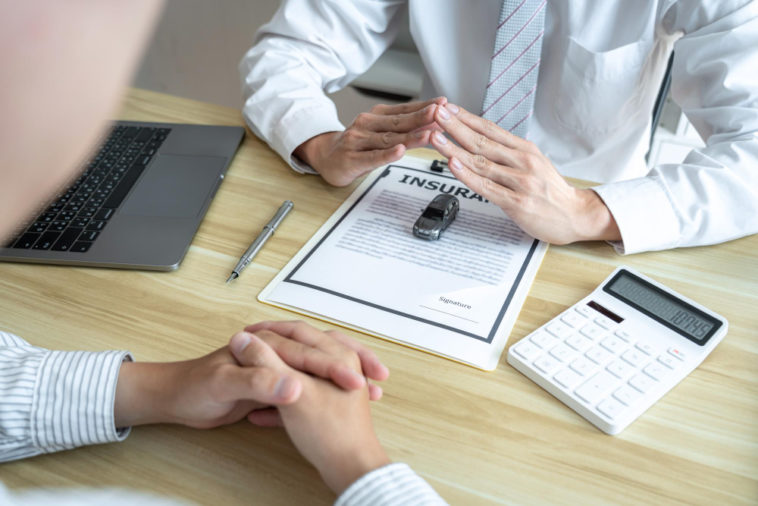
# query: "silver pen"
{"points": [[259, 241]]}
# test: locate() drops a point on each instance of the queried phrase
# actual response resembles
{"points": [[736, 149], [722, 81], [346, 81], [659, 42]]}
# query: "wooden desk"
{"points": [[477, 437]]}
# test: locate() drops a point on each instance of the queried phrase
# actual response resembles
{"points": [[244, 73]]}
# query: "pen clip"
{"points": [[280, 214]]}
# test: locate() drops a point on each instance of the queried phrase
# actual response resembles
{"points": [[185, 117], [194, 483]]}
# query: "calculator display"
{"points": [[662, 306]]}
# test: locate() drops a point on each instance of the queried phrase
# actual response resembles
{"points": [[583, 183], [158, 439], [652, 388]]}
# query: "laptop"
{"points": [[138, 203]]}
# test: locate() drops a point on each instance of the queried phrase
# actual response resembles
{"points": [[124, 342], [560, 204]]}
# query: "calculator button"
{"points": [[582, 366], [624, 335], [593, 331], [573, 319], [526, 350], [585, 311], [542, 339], [619, 368], [547, 364], [613, 344], [645, 348], [610, 408], [562, 352], [567, 379], [642, 382], [676, 352], [598, 355], [634, 357], [627, 395], [668, 361], [559, 330], [596, 387], [656, 371], [579, 343], [604, 322]]}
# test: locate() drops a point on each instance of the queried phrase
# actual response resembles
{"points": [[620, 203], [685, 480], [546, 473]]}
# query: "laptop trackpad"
{"points": [[174, 186]]}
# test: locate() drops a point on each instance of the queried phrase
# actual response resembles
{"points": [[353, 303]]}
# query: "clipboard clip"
{"points": [[438, 166]]}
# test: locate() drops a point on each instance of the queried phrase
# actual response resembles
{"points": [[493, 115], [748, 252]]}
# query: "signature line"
{"points": [[449, 314]]}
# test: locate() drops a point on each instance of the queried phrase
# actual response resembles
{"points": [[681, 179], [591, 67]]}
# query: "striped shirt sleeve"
{"points": [[393, 484], [55, 400]]}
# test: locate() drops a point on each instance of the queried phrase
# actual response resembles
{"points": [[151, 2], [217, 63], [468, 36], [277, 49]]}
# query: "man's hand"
{"points": [[330, 426], [205, 392], [216, 390], [375, 138], [515, 175], [294, 343]]}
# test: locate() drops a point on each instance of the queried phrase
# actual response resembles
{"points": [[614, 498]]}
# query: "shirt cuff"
{"points": [[389, 485], [299, 126], [76, 393], [644, 214]]}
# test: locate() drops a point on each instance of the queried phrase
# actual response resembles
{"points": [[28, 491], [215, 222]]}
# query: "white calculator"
{"points": [[620, 349]]}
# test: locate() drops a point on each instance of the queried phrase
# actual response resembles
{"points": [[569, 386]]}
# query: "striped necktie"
{"points": [[509, 96]]}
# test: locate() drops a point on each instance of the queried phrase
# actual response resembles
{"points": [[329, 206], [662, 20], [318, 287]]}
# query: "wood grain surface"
{"points": [[477, 437]]}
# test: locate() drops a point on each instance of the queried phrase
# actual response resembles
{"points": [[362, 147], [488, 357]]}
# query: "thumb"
{"points": [[263, 376]]}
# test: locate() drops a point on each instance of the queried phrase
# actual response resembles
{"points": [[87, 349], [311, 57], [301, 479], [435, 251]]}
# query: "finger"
{"points": [[331, 362], [386, 140], [431, 127], [419, 138], [264, 378], [501, 176], [485, 144], [300, 332], [483, 126], [363, 162], [407, 107], [372, 367], [380, 141], [374, 392], [267, 417], [499, 195], [313, 360], [378, 157], [396, 122]]}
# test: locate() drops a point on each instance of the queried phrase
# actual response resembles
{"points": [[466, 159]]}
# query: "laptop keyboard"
{"points": [[75, 218]]}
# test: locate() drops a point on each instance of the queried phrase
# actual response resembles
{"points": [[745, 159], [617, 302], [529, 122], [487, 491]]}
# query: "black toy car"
{"points": [[437, 216]]}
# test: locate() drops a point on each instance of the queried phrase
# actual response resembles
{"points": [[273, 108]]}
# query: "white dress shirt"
{"points": [[58, 400], [602, 66]]}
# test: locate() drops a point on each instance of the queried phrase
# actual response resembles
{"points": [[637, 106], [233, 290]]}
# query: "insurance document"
{"points": [[458, 296]]}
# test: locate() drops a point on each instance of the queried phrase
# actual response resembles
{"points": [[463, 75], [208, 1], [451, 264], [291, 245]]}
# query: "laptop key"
{"points": [[67, 239], [103, 214], [145, 134], [66, 216], [26, 241], [57, 226], [81, 246], [46, 240], [96, 225], [89, 235], [130, 132]]}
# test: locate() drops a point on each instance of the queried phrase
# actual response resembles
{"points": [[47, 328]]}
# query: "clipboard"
{"points": [[457, 297]]}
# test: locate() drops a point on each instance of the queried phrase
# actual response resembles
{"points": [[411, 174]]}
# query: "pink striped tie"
{"points": [[509, 96]]}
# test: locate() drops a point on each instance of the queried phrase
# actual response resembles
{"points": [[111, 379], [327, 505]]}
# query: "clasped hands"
{"points": [[313, 383], [501, 167]]}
